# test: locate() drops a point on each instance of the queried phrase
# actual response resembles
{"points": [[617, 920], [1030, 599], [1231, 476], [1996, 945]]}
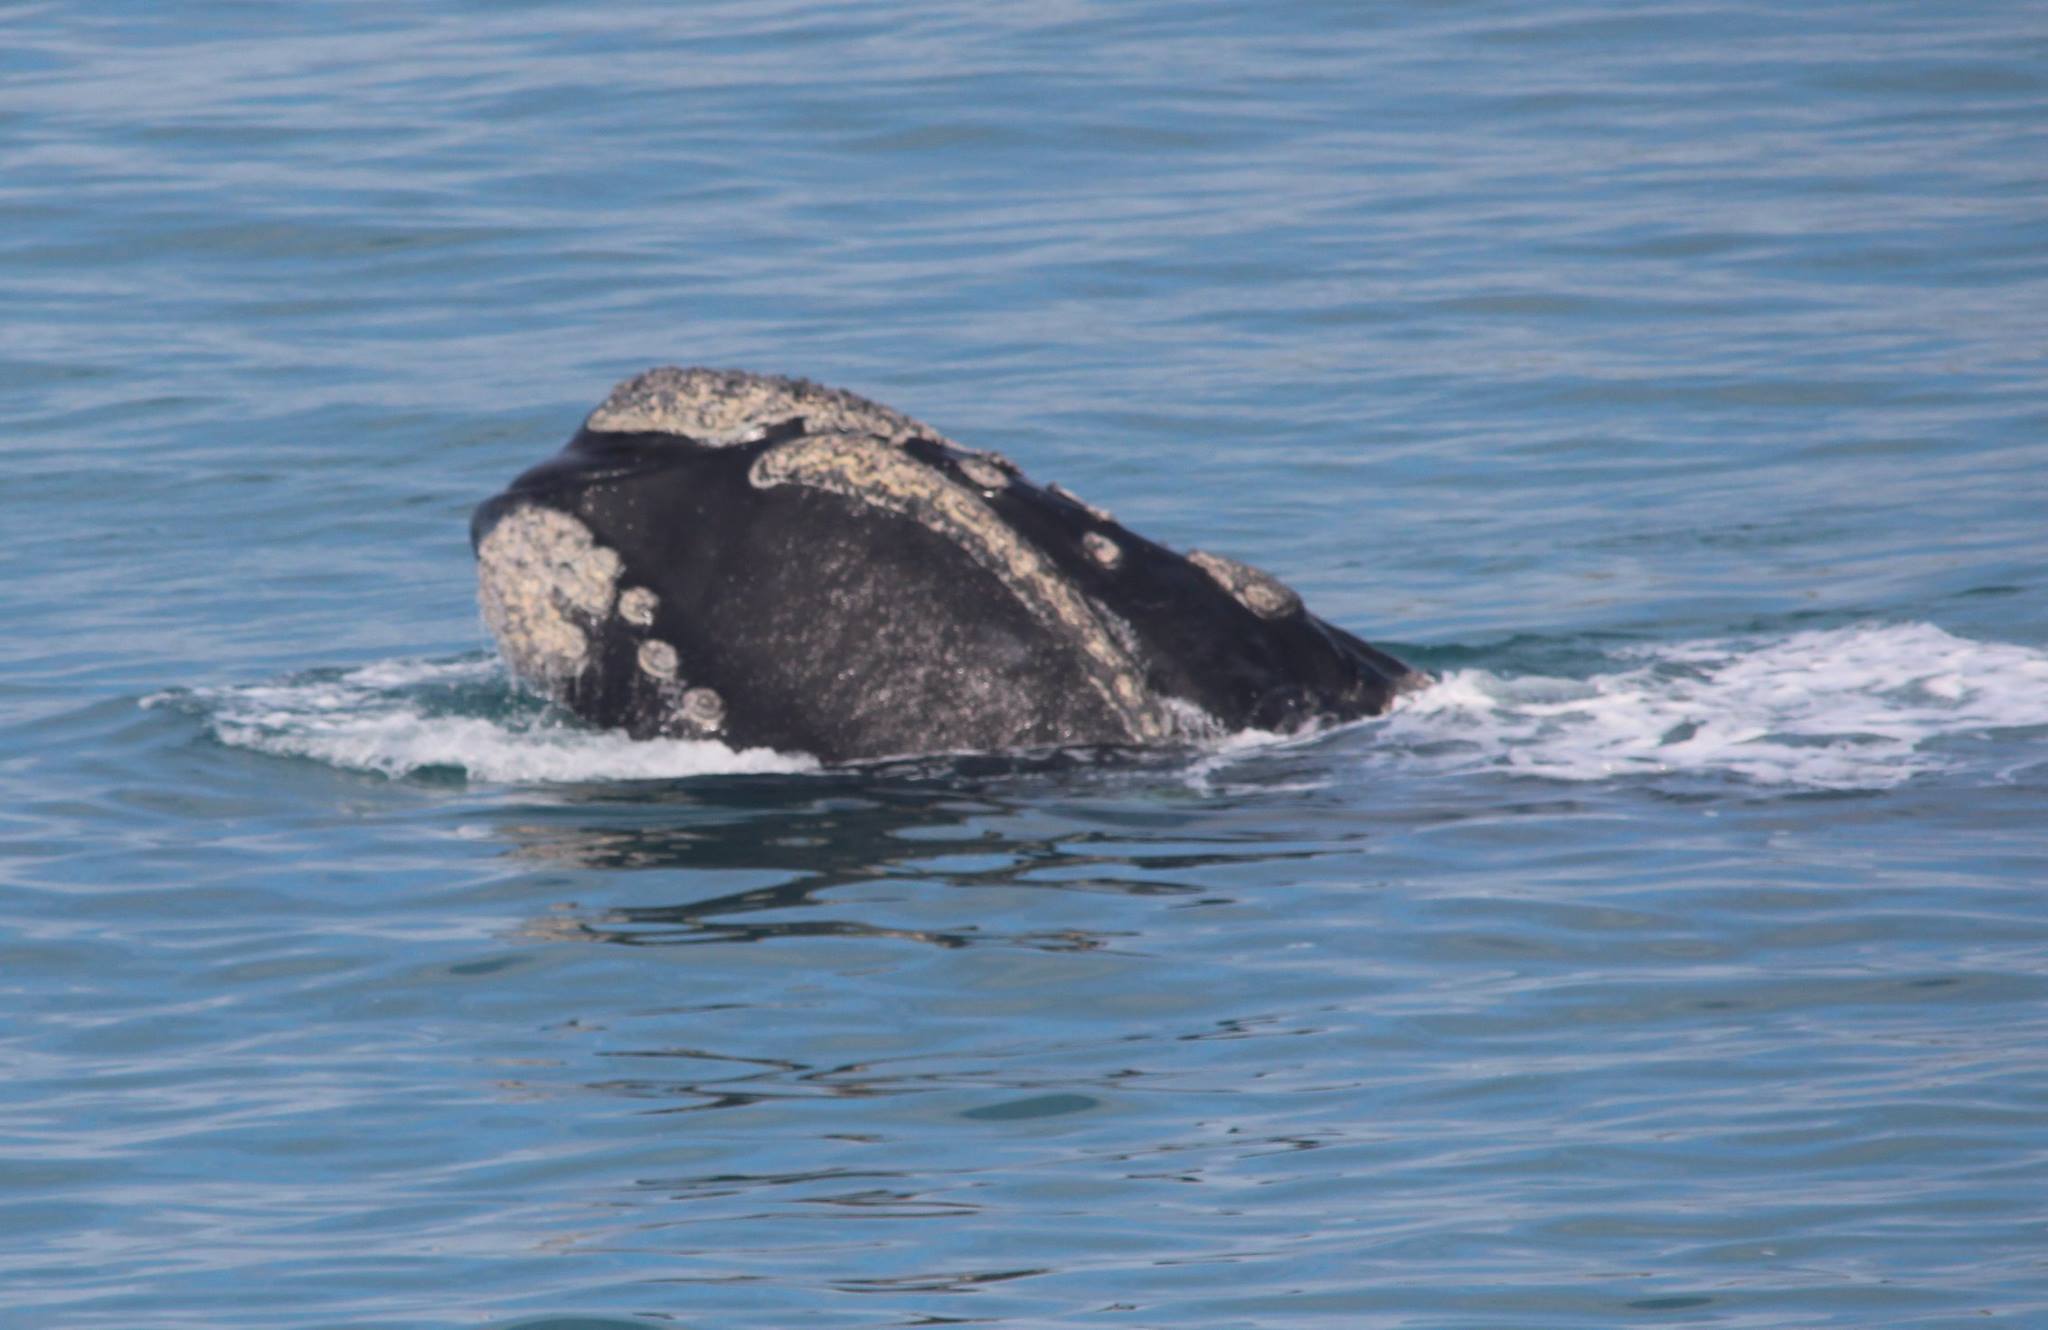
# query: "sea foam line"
{"points": [[1841, 708], [402, 717], [1862, 707]]}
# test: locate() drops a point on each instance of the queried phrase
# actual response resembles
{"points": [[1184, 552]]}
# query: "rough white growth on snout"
{"points": [[980, 471], [870, 471], [1104, 551], [1254, 588], [637, 605], [703, 710], [543, 581], [658, 660], [728, 407], [1096, 511]]}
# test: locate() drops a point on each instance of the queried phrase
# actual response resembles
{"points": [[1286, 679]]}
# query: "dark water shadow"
{"points": [[1088, 822], [577, 1323]]}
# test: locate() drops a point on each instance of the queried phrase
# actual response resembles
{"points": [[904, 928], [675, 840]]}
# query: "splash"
{"points": [[410, 717], [1864, 707]]}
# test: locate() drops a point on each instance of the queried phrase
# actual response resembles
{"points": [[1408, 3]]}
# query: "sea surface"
{"points": [[1669, 380]]}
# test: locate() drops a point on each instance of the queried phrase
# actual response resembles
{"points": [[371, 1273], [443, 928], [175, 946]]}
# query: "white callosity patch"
{"points": [[1096, 511], [657, 660], [1102, 549], [983, 472], [725, 407], [703, 710], [544, 582], [871, 471], [637, 605], [1254, 588], [1865, 707]]}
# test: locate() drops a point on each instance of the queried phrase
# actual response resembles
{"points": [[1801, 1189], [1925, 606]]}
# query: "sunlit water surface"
{"points": [[1667, 380]]}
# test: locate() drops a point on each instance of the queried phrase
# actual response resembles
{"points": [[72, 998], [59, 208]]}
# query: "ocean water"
{"points": [[1671, 381]]}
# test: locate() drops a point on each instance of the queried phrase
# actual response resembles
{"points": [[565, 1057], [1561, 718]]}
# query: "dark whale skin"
{"points": [[787, 566]]}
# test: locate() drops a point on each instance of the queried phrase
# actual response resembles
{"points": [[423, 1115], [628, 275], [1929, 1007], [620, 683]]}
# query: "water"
{"points": [[1669, 380]]}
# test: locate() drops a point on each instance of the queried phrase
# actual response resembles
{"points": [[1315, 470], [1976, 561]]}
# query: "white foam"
{"points": [[1864, 707], [1844, 708], [402, 717]]}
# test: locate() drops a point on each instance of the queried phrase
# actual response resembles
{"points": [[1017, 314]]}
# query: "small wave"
{"points": [[409, 717], [1862, 707]]}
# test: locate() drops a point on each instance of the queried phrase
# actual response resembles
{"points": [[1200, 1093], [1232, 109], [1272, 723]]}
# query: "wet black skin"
{"points": [[831, 627]]}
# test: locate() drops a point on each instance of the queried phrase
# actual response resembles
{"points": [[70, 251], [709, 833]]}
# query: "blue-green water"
{"points": [[1673, 381]]}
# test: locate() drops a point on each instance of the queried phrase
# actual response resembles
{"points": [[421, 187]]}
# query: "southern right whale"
{"points": [[775, 563]]}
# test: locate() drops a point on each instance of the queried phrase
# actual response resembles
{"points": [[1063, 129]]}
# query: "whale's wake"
{"points": [[414, 717], [1863, 707]]}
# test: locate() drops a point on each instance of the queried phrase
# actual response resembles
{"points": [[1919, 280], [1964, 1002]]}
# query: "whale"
{"points": [[770, 562]]}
